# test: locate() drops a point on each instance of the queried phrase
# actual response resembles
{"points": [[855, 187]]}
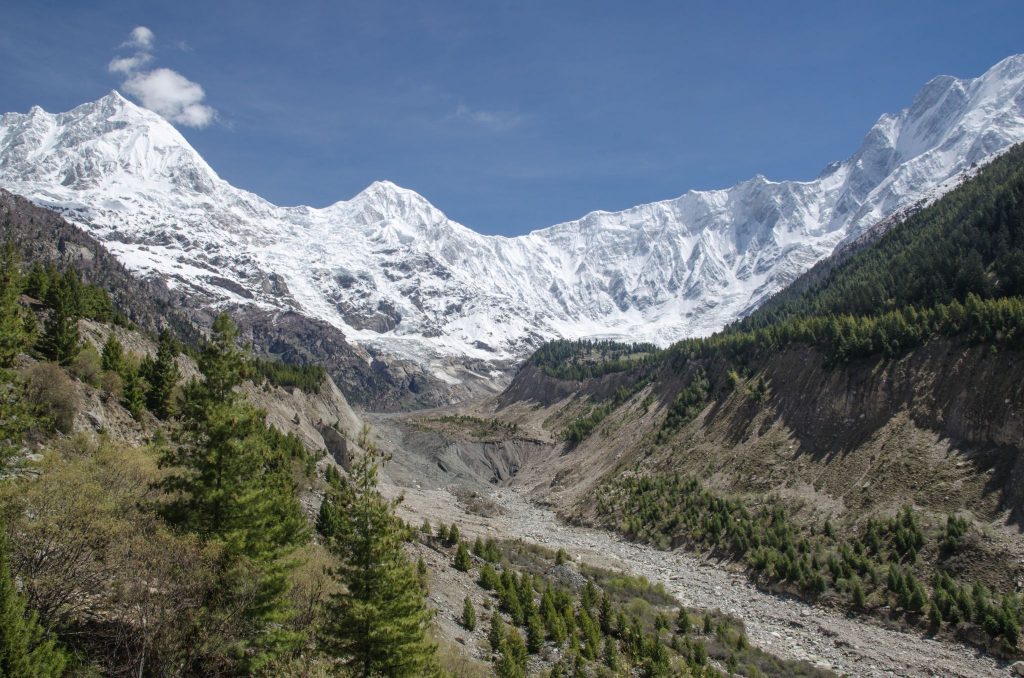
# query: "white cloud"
{"points": [[130, 64], [141, 38], [493, 120], [172, 95], [161, 90]]}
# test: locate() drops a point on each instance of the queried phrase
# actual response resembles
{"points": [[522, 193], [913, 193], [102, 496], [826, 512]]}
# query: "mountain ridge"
{"points": [[394, 273]]}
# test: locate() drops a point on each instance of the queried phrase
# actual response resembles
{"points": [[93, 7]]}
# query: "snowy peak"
{"points": [[108, 142], [394, 272]]}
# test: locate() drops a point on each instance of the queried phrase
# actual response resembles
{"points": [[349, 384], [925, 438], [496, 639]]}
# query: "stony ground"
{"points": [[784, 627]]}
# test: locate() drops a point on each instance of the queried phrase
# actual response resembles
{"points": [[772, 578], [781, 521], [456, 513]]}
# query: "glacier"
{"points": [[395, 274]]}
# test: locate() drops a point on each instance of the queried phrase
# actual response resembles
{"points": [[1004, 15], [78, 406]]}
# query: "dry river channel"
{"points": [[784, 627]]}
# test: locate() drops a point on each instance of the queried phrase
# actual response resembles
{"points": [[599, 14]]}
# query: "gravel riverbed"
{"points": [[785, 627]]}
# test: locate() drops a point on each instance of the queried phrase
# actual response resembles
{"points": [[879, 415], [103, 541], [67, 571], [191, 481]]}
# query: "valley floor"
{"points": [[784, 627]]}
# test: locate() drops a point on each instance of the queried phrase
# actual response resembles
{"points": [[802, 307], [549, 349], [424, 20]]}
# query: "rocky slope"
{"points": [[393, 273]]}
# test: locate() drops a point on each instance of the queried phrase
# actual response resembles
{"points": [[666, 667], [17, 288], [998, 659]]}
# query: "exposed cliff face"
{"points": [[972, 396]]}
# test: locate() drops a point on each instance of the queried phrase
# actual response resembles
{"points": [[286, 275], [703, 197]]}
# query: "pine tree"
{"points": [[534, 633], [60, 340], [859, 599], [24, 648], [17, 416], [378, 625], [462, 561], [497, 633], [468, 615], [442, 532], [611, 654], [12, 322], [163, 374], [112, 358], [37, 282], [588, 598], [604, 614], [133, 394], [233, 485], [512, 656]]}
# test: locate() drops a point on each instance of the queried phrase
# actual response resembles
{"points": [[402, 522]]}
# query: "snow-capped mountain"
{"points": [[391, 270]]}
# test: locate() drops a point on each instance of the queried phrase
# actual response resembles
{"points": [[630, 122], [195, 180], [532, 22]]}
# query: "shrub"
{"points": [[110, 383], [87, 365], [53, 394]]}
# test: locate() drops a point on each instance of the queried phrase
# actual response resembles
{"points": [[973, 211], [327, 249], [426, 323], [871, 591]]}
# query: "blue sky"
{"points": [[508, 116]]}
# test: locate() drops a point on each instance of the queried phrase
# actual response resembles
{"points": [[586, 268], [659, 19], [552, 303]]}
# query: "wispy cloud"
{"points": [[129, 64], [498, 121], [161, 90]]}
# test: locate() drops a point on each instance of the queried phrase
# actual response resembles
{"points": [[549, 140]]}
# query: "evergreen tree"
{"points": [[133, 394], [857, 595], [60, 341], [442, 532], [512, 656], [162, 373], [683, 623], [497, 633], [611, 654], [421, 572], [462, 561], [489, 578], [604, 614], [37, 282], [378, 625], [468, 615], [112, 358], [588, 598], [17, 416], [233, 485], [12, 322], [25, 651], [534, 633]]}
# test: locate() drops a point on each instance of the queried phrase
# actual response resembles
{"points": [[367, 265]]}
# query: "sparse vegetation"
{"points": [[583, 425], [476, 427], [612, 623], [880, 567]]}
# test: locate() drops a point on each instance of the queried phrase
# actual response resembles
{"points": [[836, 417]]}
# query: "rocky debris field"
{"points": [[784, 627]]}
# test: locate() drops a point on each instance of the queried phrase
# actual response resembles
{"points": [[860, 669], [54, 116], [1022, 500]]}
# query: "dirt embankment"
{"points": [[940, 429]]}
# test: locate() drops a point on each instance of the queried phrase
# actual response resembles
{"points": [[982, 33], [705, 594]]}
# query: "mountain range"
{"points": [[394, 274]]}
